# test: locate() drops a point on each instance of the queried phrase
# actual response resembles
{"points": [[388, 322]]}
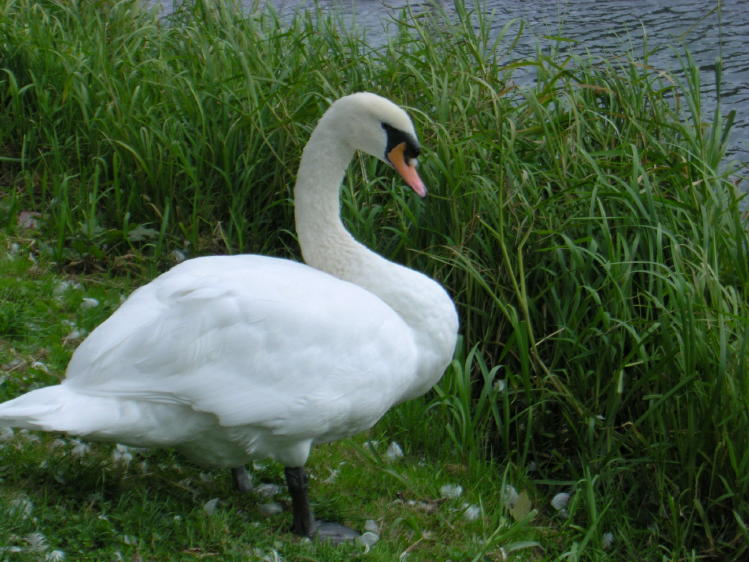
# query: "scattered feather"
{"points": [[64, 286], [21, 506], [29, 220], [178, 256], [40, 366], [185, 483], [89, 302], [268, 490], [429, 506], [80, 449], [509, 496], [121, 455], [471, 511], [607, 540], [37, 542], [210, 506], [6, 433], [394, 452], [54, 556], [272, 556], [371, 525], [451, 491], [74, 335], [560, 501], [368, 539], [332, 476]]}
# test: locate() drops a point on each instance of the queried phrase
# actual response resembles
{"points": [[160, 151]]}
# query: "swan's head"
{"points": [[377, 126]]}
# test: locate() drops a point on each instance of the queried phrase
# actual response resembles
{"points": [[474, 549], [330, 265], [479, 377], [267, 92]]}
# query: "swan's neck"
{"points": [[324, 241], [327, 245]]}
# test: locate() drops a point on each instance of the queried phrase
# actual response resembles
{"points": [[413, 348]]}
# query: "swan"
{"points": [[234, 358]]}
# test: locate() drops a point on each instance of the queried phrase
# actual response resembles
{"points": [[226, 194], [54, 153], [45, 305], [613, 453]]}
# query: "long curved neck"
{"points": [[324, 241], [327, 245]]}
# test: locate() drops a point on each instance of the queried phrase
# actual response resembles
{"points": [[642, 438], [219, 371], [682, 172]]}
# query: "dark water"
{"points": [[709, 29]]}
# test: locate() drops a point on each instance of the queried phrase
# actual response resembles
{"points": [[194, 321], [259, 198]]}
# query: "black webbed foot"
{"points": [[304, 521], [241, 479]]}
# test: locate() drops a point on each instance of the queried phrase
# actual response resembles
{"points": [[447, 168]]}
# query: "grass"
{"points": [[586, 224]]}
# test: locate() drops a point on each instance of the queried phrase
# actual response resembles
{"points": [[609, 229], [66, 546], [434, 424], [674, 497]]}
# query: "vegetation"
{"points": [[593, 242]]}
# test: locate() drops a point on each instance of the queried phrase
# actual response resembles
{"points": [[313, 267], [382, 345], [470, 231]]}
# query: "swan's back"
{"points": [[317, 346]]}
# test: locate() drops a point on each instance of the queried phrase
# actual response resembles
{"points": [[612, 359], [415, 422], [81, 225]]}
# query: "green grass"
{"points": [[586, 224]]}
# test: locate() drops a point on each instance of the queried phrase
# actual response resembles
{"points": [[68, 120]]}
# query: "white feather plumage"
{"points": [[232, 358]]}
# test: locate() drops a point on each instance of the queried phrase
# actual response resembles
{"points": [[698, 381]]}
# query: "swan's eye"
{"points": [[396, 137]]}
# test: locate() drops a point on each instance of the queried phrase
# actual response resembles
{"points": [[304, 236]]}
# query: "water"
{"points": [[708, 28]]}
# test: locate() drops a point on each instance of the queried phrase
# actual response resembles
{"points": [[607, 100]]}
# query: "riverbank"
{"points": [[592, 241]]}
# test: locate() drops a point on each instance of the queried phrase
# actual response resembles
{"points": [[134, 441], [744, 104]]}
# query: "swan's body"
{"points": [[236, 358]]}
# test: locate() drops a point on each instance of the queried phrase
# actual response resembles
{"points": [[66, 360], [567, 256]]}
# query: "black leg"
{"points": [[241, 479], [304, 521]]}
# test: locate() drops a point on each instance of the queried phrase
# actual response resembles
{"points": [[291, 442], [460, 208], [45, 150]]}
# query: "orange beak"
{"points": [[407, 171]]}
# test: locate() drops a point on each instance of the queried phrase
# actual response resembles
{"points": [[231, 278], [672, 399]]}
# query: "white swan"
{"points": [[232, 358]]}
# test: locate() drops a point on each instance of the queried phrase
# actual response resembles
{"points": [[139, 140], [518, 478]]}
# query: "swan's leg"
{"points": [[304, 522], [241, 479]]}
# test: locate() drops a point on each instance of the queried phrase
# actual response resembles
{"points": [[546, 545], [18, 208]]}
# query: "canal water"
{"points": [[709, 29]]}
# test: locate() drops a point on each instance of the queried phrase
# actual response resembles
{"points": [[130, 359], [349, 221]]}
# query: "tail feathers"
{"points": [[60, 408], [38, 409]]}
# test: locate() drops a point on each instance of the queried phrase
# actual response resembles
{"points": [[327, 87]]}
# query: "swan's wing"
{"points": [[253, 340]]}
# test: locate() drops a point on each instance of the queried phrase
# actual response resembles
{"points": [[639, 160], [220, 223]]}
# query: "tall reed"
{"points": [[595, 248]]}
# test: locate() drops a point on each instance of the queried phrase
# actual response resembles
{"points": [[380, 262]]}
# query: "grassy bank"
{"points": [[596, 252]]}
